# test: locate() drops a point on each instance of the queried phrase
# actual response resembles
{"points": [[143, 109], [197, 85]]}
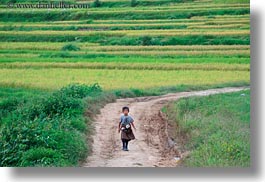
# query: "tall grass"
{"points": [[131, 66], [122, 39], [40, 15], [216, 129], [123, 59], [149, 32], [41, 128], [156, 47], [130, 53], [54, 78], [90, 46], [49, 129]]}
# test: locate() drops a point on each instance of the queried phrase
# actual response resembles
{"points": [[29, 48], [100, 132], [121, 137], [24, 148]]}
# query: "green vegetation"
{"points": [[132, 66], [43, 128], [70, 47], [127, 14], [55, 78], [131, 48], [47, 129], [152, 35], [10, 98], [96, 3], [134, 3], [216, 129]]}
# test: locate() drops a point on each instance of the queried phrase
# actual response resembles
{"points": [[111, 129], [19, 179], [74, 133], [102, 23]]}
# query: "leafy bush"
{"points": [[70, 47], [96, 3], [134, 3], [146, 40], [8, 105], [81, 91], [42, 157], [48, 130]]}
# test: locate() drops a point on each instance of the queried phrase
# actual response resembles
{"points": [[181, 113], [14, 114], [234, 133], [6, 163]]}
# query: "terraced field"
{"points": [[153, 44], [60, 67]]}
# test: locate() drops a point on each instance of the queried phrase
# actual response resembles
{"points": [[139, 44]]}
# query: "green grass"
{"points": [[55, 78], [216, 129], [156, 47], [132, 66], [127, 53], [56, 15], [48, 128], [10, 98], [43, 128], [231, 1], [86, 50], [133, 40], [95, 46], [234, 21], [23, 58]]}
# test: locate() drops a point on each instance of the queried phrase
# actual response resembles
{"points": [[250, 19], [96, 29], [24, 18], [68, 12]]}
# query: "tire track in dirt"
{"points": [[152, 146]]}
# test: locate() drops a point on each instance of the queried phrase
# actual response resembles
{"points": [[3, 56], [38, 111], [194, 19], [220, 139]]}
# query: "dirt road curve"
{"points": [[152, 147]]}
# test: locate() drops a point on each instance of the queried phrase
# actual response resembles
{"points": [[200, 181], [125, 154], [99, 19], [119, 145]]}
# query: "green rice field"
{"points": [[155, 43], [59, 67]]}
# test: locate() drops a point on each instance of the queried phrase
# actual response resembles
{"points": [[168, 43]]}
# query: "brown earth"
{"points": [[153, 146]]}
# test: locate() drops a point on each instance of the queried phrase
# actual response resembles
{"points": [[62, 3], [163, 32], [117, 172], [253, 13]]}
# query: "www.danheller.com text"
{"points": [[50, 5]]}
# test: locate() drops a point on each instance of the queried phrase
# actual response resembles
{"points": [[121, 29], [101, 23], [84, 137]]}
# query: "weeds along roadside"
{"points": [[49, 129], [54, 128], [212, 131]]}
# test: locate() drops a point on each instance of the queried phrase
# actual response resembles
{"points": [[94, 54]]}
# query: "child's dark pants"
{"points": [[125, 143]]}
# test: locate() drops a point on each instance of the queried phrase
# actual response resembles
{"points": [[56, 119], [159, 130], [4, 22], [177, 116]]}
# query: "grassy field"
{"points": [[55, 78], [153, 35], [216, 129], [151, 47], [47, 128]]}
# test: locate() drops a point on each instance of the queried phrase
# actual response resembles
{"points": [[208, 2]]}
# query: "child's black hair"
{"points": [[125, 108]]}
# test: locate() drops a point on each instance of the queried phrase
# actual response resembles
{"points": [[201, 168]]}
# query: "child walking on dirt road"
{"points": [[125, 126]]}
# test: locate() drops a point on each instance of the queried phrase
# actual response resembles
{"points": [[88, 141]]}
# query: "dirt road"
{"points": [[152, 146]]}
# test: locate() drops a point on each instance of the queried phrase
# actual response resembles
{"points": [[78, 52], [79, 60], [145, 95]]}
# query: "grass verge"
{"points": [[48, 128], [53, 128], [215, 129]]}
